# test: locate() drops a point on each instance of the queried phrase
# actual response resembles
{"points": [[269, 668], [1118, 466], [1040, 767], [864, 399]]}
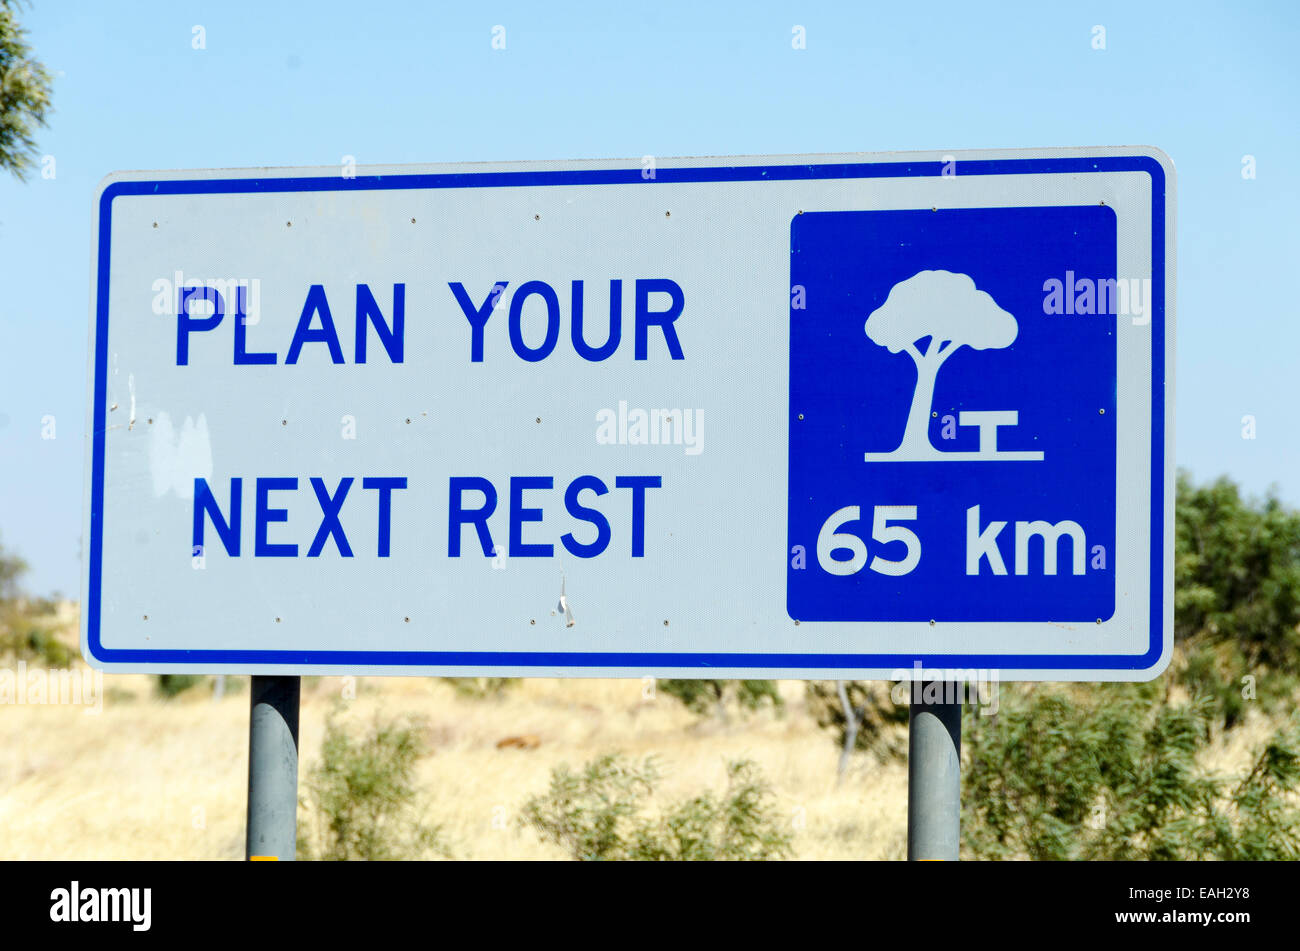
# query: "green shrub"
{"points": [[741, 825], [603, 814], [702, 696], [1264, 822], [12, 567], [1112, 774], [360, 800], [171, 685], [25, 633], [1236, 600], [1237, 573], [26, 97], [25, 638], [480, 688]]}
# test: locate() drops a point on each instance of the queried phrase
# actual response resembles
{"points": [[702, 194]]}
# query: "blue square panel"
{"points": [[952, 415]]}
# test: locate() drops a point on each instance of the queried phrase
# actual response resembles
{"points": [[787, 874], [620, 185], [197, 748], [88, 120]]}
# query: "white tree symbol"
{"points": [[946, 309]]}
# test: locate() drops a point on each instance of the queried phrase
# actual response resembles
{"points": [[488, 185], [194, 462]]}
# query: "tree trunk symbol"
{"points": [[942, 311]]}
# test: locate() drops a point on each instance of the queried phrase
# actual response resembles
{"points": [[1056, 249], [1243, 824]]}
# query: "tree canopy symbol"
{"points": [[930, 316]]}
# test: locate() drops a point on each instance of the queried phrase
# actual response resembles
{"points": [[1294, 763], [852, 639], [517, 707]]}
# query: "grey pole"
{"points": [[934, 776], [273, 768]]}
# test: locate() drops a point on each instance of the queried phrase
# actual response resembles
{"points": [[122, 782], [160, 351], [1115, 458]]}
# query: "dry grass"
{"points": [[148, 778], [151, 779]]}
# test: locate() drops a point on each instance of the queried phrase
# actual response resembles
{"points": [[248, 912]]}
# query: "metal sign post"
{"points": [[273, 769], [934, 777]]}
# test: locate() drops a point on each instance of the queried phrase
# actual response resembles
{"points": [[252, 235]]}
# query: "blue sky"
{"points": [[306, 84]]}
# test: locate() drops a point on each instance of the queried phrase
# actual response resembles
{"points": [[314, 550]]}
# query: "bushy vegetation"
{"points": [[604, 813], [360, 800], [1110, 774], [1238, 573], [26, 635], [703, 696], [170, 685], [480, 688], [26, 631], [1237, 598], [24, 94]]}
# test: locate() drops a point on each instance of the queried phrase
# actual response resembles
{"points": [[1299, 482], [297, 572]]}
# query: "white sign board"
{"points": [[851, 416]]}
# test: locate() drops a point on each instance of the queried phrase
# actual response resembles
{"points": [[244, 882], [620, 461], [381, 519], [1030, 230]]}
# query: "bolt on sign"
{"points": [[850, 416]]}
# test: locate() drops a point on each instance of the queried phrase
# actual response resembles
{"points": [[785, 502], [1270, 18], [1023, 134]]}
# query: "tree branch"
{"points": [[944, 355], [851, 720]]}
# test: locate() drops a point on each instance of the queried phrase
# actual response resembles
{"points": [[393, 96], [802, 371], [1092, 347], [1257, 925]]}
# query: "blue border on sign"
{"points": [[703, 661]]}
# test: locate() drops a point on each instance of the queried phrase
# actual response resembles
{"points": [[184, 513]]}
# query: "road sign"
{"points": [[806, 416]]}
